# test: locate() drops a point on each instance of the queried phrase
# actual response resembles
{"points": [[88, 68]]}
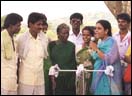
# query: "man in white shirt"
{"points": [[32, 49], [123, 38], [75, 36]]}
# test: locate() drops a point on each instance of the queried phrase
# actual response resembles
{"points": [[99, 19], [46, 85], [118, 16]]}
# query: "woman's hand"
{"points": [[93, 45]]}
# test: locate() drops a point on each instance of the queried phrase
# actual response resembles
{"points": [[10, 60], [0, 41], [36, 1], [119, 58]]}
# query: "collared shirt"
{"points": [[8, 64], [77, 40], [31, 67], [122, 44]]}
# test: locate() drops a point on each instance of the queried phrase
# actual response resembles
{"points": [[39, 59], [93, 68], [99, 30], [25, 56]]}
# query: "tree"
{"points": [[2, 21], [117, 7]]}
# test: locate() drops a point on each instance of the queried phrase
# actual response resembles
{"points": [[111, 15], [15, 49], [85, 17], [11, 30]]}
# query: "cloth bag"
{"points": [[127, 74]]}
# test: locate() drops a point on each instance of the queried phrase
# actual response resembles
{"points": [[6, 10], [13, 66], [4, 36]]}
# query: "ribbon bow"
{"points": [[80, 69], [109, 70], [54, 70]]}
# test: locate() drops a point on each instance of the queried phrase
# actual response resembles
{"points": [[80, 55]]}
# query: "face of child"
{"points": [[86, 36]]}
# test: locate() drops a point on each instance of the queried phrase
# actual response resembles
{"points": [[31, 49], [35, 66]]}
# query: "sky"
{"points": [[52, 9]]}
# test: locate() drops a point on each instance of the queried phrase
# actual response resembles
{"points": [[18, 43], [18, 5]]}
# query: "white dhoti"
{"points": [[31, 90]]}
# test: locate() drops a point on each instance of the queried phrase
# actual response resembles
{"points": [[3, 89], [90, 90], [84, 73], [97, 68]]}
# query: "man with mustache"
{"points": [[123, 37], [32, 49], [75, 35]]}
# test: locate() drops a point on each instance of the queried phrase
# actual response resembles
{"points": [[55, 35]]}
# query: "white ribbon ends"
{"points": [[54, 70], [79, 70], [109, 70]]}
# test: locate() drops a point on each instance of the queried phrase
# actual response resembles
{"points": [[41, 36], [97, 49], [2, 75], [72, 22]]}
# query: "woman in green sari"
{"points": [[62, 52], [83, 57]]}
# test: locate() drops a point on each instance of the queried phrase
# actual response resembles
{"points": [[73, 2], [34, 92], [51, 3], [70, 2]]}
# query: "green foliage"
{"points": [[2, 20], [52, 35]]}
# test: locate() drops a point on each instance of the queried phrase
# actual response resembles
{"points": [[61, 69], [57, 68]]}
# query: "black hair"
{"points": [[90, 29], [45, 19], [77, 15], [124, 16], [44, 16], [62, 26], [34, 17], [12, 19], [45, 23], [106, 25]]}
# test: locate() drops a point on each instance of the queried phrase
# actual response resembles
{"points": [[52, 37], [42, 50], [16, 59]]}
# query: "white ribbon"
{"points": [[54, 70], [79, 70], [109, 70]]}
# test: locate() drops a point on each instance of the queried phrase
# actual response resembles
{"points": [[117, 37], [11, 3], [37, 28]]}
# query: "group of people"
{"points": [[22, 60]]}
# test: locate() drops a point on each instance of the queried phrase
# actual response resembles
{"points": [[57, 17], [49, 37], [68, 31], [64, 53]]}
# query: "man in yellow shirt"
{"points": [[12, 25]]}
